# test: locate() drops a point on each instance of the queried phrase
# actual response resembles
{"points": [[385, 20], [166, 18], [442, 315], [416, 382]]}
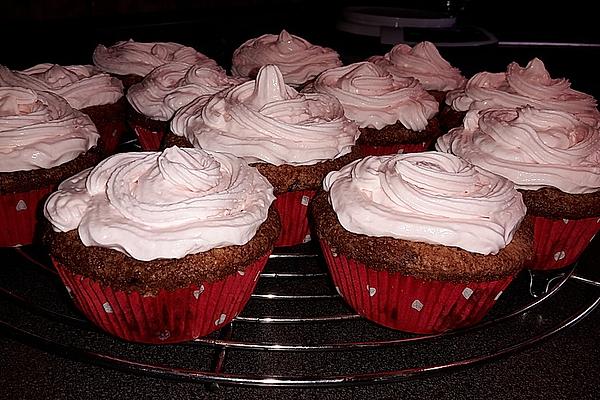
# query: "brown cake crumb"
{"points": [[24, 181], [556, 204], [398, 133]]}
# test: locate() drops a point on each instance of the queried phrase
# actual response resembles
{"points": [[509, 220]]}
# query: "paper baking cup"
{"points": [[18, 216], [168, 317], [149, 140], [111, 133], [292, 208], [368, 150], [558, 243], [410, 304]]}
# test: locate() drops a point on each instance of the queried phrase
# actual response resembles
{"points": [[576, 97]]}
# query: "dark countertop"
{"points": [[565, 365]]}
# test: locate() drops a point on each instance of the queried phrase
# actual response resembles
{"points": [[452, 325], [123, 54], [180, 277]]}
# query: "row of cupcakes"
{"points": [[271, 113]]}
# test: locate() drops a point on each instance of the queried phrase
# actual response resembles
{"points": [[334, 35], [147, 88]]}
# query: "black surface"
{"points": [[563, 366]]}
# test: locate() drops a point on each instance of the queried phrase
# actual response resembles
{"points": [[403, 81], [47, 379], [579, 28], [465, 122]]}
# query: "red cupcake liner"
{"points": [[111, 133], [18, 216], [150, 140], [411, 304], [293, 208], [558, 243], [368, 150], [168, 317]]}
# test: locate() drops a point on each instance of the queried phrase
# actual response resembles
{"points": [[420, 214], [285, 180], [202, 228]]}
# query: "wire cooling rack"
{"points": [[296, 331]]}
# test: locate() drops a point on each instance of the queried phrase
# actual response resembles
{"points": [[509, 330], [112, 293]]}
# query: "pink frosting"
{"points": [[423, 62], [533, 148], [518, 87], [429, 197], [81, 85], [40, 130], [167, 204], [171, 86], [264, 120], [139, 58], [374, 98], [298, 60]]}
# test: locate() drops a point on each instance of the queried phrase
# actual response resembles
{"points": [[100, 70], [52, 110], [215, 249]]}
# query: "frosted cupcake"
{"points": [[166, 89], [130, 61], [422, 242], [294, 139], [162, 247], [519, 87], [42, 142], [554, 160], [423, 62], [298, 60], [394, 114], [85, 88]]}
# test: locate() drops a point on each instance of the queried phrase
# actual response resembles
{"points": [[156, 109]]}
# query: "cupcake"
{"points": [[167, 88], [423, 62], [42, 142], [394, 114], [518, 87], [554, 160], [130, 61], [162, 247], [85, 88], [298, 60], [421, 242], [294, 139]]}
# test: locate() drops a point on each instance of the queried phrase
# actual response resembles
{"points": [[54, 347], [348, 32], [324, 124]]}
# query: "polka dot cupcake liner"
{"points": [[410, 304], [168, 317], [293, 209], [558, 243], [19, 215], [149, 140], [368, 150]]}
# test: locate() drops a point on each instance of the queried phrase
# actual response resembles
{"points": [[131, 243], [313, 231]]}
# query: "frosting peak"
{"points": [[269, 87], [265, 120], [430, 197]]}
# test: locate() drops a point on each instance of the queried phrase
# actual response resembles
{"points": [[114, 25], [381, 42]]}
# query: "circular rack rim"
{"points": [[224, 343]]}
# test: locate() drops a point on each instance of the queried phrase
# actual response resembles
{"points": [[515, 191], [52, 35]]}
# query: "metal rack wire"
{"points": [[294, 317]]}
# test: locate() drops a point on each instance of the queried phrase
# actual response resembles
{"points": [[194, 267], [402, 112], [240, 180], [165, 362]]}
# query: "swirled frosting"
{"points": [[167, 204], [298, 60], [429, 197], [518, 87], [81, 85], [423, 62], [171, 86], [533, 148], [139, 58], [264, 120], [374, 98], [40, 130]]}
